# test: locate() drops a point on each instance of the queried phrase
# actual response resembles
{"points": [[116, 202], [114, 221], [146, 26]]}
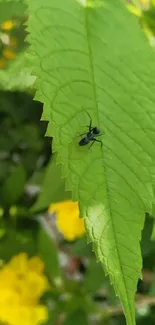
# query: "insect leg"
{"points": [[92, 143], [98, 141], [80, 134], [95, 140], [90, 125]]}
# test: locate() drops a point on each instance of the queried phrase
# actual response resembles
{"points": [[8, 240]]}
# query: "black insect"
{"points": [[90, 135]]}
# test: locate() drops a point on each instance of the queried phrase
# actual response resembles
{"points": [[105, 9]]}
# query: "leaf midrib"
{"points": [[90, 55]]}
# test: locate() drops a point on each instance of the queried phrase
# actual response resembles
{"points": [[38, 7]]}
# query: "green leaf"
{"points": [[8, 11], [13, 1], [4, 165], [14, 242], [81, 248], [30, 135], [53, 187], [146, 245], [53, 316], [94, 278], [152, 288], [92, 56], [79, 317], [13, 187], [48, 252], [153, 232], [153, 228]]}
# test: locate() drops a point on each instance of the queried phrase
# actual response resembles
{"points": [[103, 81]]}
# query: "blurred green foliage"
{"points": [[15, 74]]}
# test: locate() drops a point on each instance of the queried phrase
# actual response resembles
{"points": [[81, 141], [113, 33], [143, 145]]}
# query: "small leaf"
{"points": [[53, 187], [152, 288], [48, 252], [153, 228], [7, 11], [13, 187], [4, 165], [13, 243], [146, 245], [79, 317], [81, 248], [94, 277], [53, 317]]}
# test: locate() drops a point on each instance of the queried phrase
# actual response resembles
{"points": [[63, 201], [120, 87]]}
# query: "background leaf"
{"points": [[15, 75], [94, 277], [14, 242], [7, 10], [78, 317], [53, 187], [47, 251], [14, 185]]}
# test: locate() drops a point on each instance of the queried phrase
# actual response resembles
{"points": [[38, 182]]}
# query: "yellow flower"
{"points": [[8, 24], [9, 54], [67, 219], [22, 283], [36, 264]]}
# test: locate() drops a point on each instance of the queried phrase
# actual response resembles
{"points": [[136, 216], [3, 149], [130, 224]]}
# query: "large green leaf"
{"points": [[92, 56], [5, 1]]}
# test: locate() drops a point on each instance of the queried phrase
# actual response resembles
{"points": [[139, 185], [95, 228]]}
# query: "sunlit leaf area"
{"points": [[77, 162]]}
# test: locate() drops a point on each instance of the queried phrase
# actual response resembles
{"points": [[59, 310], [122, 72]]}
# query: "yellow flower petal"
{"points": [[41, 314], [67, 219], [19, 263], [8, 24], [36, 264], [21, 287]]}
